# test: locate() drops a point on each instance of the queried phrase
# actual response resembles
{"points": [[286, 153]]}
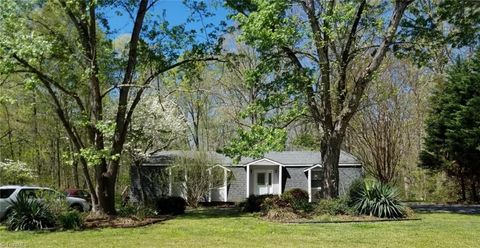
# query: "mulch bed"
{"points": [[121, 222]]}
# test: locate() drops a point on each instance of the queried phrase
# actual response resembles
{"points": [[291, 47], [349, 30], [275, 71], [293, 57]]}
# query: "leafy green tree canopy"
{"points": [[453, 125]]}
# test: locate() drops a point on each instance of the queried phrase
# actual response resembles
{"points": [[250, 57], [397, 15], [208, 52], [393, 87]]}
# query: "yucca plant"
{"points": [[377, 199], [29, 214]]}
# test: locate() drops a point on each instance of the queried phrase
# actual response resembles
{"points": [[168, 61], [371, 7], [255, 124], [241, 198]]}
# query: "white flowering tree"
{"points": [[15, 172], [156, 125]]}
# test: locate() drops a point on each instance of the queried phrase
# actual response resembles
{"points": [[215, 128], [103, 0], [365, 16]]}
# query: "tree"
{"points": [[385, 131], [453, 126], [15, 172], [155, 126], [196, 175], [62, 47], [308, 48], [439, 30]]}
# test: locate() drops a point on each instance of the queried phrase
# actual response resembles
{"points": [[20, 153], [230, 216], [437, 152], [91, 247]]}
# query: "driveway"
{"points": [[450, 208]]}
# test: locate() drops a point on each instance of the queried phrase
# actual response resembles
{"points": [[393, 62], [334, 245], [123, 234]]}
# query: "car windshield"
{"points": [[5, 193]]}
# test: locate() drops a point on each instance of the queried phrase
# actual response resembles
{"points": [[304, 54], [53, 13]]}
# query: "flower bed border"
{"points": [[110, 222], [346, 221]]}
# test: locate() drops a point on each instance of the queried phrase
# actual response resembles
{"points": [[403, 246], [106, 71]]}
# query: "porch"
{"points": [[264, 177]]}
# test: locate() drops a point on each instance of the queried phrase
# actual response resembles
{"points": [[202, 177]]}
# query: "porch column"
{"points": [[248, 181], [225, 172], [309, 185], [210, 186], [169, 181], [280, 180]]}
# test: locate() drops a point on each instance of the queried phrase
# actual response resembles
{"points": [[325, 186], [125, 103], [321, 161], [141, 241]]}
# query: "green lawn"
{"points": [[215, 228]]}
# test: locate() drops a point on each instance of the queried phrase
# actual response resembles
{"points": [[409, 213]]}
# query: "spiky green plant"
{"points": [[29, 214], [377, 199]]}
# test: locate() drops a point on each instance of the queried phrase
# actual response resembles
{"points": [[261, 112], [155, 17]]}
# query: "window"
{"points": [[261, 178], [269, 178], [317, 178], [5, 193], [28, 193]]}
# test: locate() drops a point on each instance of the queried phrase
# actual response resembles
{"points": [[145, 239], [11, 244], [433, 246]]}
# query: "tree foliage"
{"points": [[453, 126], [15, 172], [63, 48], [307, 50]]}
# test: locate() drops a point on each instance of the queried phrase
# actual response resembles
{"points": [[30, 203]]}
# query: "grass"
{"points": [[222, 228]]}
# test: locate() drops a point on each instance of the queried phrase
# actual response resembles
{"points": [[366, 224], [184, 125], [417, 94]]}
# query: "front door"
{"points": [[263, 182]]}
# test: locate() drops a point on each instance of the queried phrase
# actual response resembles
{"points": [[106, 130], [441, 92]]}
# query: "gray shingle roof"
{"points": [[306, 158], [302, 158]]}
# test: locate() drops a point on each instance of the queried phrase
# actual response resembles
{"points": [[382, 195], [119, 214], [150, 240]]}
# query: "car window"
{"points": [[84, 193], [31, 193], [5, 193], [40, 193], [48, 193]]}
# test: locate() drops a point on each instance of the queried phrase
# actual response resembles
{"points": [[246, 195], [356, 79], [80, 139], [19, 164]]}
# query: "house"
{"points": [[274, 173]]}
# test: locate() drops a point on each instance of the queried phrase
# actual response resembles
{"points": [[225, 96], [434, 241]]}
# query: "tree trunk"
{"points": [[330, 149], [462, 187], [57, 159], [105, 190], [474, 196], [10, 133], [36, 158], [76, 180]]}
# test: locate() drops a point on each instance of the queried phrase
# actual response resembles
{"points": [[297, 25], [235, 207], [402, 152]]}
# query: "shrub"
{"points": [[354, 190], [333, 207], [254, 202], [273, 202], [127, 210], [70, 220], [143, 212], [281, 214], [171, 205], [29, 214], [298, 199], [378, 200]]}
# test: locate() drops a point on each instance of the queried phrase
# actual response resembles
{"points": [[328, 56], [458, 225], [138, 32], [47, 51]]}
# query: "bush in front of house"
{"points": [[298, 199], [126, 210], [274, 202], [354, 190], [377, 199], [338, 206], [29, 214], [281, 214], [171, 205], [253, 203]]}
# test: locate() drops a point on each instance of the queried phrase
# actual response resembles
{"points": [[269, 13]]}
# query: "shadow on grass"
{"points": [[212, 212]]}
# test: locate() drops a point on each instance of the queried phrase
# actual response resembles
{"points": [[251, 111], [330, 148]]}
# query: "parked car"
{"points": [[8, 194], [78, 193]]}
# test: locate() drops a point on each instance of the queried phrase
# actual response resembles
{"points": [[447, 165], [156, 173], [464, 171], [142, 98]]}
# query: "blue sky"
{"points": [[176, 13]]}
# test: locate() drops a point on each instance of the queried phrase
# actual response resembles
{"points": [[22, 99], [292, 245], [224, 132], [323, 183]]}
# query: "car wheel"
{"points": [[77, 207]]}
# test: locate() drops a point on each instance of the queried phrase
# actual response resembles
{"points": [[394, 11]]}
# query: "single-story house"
{"points": [[274, 173]]}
